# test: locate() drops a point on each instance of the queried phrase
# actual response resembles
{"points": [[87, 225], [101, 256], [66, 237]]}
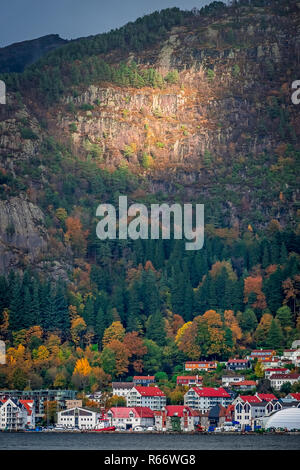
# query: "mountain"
{"points": [[16, 57], [196, 105]]}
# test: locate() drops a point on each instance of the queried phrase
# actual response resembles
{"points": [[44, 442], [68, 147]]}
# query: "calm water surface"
{"points": [[48, 441]]}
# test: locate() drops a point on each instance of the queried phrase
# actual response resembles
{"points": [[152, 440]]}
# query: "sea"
{"points": [[118, 441]]}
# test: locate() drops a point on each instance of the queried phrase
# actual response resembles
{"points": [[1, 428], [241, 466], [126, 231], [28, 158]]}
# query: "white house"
{"points": [[228, 380], [205, 398], [80, 418], [151, 397], [30, 408], [275, 370], [249, 414], [130, 417], [293, 355], [15, 415], [277, 380], [121, 389]]}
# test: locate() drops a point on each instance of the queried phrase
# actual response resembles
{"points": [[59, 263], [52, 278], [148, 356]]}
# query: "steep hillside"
{"points": [[203, 115], [15, 57]]}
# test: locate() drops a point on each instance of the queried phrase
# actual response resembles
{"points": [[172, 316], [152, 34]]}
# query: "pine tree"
{"points": [[16, 320], [100, 325], [88, 311], [275, 336], [156, 328]]}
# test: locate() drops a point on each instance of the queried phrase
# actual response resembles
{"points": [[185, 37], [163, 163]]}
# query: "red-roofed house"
{"points": [[176, 418], [205, 398], [14, 415], [266, 396], [248, 398], [275, 370], [30, 408], [189, 380], [244, 385], [207, 366], [249, 412], [130, 417], [295, 396], [262, 354], [277, 380], [143, 380], [152, 397]]}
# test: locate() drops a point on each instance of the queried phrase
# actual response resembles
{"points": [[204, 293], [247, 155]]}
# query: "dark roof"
{"points": [[127, 385]]}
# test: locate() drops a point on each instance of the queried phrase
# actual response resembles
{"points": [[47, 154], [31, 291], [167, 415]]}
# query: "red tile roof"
{"points": [[296, 396], [211, 392], [243, 382], [138, 411], [149, 391], [266, 396], [189, 377], [28, 405], [250, 398], [178, 410], [285, 376]]}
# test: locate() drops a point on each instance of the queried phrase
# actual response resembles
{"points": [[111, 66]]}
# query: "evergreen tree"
{"points": [[16, 320], [275, 336], [156, 328]]}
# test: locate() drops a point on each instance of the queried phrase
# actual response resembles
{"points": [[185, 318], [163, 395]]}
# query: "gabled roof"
{"points": [[28, 405], [144, 412], [285, 376], [250, 398], [296, 396], [138, 411], [244, 382], [125, 385], [211, 392], [266, 396], [177, 410], [149, 391]]}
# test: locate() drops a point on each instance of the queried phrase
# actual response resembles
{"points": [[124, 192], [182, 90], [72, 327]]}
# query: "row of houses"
{"points": [[267, 357], [246, 412]]}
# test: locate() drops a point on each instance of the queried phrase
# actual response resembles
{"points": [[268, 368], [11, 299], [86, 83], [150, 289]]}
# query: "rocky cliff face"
{"points": [[23, 237]]}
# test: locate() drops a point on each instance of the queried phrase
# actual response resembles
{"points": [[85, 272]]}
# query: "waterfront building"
{"points": [[151, 397], [80, 418], [176, 418], [130, 417], [205, 398], [40, 397], [16, 415]]}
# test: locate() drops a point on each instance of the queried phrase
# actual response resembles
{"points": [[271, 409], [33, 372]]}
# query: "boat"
{"points": [[107, 429]]}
